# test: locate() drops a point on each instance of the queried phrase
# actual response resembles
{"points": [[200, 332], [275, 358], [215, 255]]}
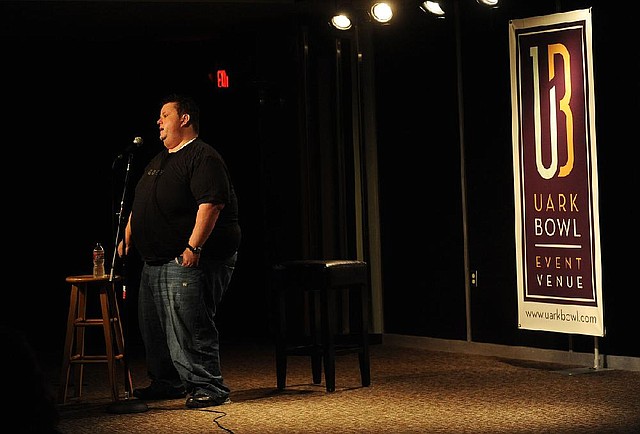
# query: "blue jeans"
{"points": [[176, 311]]}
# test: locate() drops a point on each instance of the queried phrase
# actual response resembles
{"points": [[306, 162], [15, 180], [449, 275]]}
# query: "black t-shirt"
{"points": [[166, 202]]}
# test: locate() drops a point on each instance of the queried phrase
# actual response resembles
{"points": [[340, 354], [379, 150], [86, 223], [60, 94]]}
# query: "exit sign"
{"points": [[222, 79]]}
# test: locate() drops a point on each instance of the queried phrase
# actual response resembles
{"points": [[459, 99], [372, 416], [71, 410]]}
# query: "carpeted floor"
{"points": [[412, 391]]}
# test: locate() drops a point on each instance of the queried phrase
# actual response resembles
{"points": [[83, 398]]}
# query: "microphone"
{"points": [[137, 142]]}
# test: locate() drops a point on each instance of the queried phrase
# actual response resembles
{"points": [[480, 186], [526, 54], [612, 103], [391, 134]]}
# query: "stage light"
{"points": [[435, 7], [490, 3], [341, 22], [381, 12], [432, 7]]}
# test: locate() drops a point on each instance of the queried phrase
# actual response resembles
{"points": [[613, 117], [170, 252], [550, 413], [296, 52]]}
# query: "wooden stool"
{"points": [[323, 279], [74, 347]]}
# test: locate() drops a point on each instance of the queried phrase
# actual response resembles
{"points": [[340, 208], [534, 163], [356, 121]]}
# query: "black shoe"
{"points": [[200, 400], [155, 392]]}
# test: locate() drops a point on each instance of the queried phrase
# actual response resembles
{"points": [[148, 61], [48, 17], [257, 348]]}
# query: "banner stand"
{"points": [[557, 234], [597, 366]]}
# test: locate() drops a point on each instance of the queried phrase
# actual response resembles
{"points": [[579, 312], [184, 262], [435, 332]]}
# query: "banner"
{"points": [[557, 231]]}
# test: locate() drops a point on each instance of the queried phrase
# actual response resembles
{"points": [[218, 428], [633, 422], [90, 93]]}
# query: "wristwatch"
{"points": [[195, 250]]}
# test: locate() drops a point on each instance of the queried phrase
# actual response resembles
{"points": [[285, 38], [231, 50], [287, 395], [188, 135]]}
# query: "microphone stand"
{"points": [[128, 405]]}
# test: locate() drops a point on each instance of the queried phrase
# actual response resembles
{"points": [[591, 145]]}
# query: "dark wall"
{"points": [[82, 79], [420, 185], [421, 217]]}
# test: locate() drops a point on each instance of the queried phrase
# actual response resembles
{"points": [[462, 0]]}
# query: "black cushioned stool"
{"points": [[310, 281]]}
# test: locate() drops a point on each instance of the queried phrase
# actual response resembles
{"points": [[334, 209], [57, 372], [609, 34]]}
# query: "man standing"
{"points": [[184, 224]]}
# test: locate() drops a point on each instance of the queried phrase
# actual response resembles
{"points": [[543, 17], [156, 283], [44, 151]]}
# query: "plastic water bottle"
{"points": [[98, 261]]}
